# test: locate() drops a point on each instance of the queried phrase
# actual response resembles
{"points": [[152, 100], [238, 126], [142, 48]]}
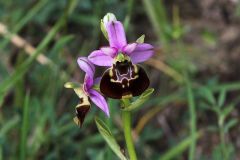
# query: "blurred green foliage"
{"points": [[36, 111]]}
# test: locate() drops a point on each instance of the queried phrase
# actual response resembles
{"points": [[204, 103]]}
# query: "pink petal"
{"points": [[116, 34], [142, 53], [129, 48], [109, 51], [88, 83], [99, 101], [86, 66], [97, 80], [99, 58]]}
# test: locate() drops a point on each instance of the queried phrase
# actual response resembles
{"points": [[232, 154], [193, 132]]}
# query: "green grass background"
{"points": [[36, 110]]}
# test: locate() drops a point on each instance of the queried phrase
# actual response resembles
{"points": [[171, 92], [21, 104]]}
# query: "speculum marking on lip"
{"points": [[124, 79]]}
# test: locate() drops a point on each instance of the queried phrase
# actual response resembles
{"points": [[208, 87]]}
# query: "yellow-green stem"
{"points": [[126, 118]]}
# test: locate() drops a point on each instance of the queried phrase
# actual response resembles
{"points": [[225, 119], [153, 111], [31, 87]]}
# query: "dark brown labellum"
{"points": [[124, 80], [81, 110]]}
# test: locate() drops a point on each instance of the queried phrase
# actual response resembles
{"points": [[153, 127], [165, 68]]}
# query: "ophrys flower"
{"points": [[124, 78], [87, 93]]}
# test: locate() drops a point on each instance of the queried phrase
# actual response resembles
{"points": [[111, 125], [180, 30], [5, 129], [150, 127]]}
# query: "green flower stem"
{"points": [[222, 136], [126, 118]]}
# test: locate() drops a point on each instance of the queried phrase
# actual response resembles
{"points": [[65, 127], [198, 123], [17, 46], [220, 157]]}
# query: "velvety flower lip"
{"points": [[88, 83], [138, 52]]}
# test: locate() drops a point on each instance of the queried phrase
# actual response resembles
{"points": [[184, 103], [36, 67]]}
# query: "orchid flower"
{"points": [[86, 92], [88, 83], [138, 52]]}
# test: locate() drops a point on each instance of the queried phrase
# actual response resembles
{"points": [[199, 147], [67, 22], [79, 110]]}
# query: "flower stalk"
{"points": [[126, 118]]}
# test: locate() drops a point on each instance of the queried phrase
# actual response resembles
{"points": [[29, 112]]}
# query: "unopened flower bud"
{"points": [[109, 17]]}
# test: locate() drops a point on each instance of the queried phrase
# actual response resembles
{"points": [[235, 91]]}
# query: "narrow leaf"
{"points": [[227, 110], [107, 135], [17, 75], [179, 148], [9, 125], [222, 98], [143, 98], [208, 95], [24, 129], [231, 123]]}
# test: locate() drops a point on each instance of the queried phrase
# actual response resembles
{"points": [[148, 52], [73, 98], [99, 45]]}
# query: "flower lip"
{"points": [[81, 110], [127, 83]]}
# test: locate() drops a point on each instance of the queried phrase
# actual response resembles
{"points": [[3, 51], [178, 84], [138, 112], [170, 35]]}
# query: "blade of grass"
{"points": [[165, 69], [146, 118], [24, 129], [9, 125], [127, 19], [1, 153], [22, 43], [19, 93], [179, 148], [227, 87], [109, 138], [192, 110], [24, 20], [153, 17], [5, 129], [157, 14], [25, 66]]}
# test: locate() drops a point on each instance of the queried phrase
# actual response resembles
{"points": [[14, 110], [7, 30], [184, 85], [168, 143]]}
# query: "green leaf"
{"points": [[192, 112], [222, 98], [209, 38], [212, 128], [227, 110], [10, 124], [143, 98], [24, 128], [141, 39], [21, 23], [17, 75], [179, 148], [206, 93], [231, 123], [107, 135]]}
